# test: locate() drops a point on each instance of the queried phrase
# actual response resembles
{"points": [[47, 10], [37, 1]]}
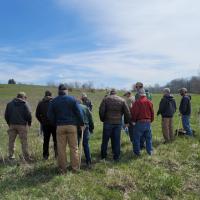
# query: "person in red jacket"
{"points": [[142, 116]]}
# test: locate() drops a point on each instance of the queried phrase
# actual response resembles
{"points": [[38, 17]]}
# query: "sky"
{"points": [[112, 43]]}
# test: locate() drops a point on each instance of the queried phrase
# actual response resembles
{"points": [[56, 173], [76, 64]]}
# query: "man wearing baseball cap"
{"points": [[185, 110]]}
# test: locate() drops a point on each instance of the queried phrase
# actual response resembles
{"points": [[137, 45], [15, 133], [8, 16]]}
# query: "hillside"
{"points": [[173, 172]]}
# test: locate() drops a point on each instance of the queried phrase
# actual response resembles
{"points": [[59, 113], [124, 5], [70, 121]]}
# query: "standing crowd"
{"points": [[70, 122]]}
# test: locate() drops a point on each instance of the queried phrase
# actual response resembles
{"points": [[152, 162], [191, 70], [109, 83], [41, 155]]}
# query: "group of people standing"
{"points": [[69, 121]]}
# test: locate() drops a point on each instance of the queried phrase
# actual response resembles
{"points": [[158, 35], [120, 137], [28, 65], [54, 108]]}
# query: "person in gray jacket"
{"points": [[18, 117]]}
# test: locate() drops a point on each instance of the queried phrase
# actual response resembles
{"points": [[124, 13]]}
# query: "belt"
{"points": [[144, 120]]}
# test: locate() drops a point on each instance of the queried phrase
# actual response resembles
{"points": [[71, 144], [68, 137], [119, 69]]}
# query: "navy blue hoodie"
{"points": [[185, 105]]}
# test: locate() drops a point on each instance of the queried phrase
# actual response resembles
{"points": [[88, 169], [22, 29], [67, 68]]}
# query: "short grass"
{"points": [[173, 172]]}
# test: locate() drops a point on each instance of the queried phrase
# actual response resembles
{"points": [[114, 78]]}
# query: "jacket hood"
{"points": [[18, 101], [169, 97], [47, 99]]}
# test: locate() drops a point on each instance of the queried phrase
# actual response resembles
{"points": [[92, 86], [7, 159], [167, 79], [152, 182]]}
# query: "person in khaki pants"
{"points": [[18, 117], [64, 111], [167, 108]]}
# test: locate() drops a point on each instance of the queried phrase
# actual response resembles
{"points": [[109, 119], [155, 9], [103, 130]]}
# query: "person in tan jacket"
{"points": [[18, 117]]}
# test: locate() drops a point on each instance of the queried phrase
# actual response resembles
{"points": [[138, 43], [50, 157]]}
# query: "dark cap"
{"points": [[62, 87], [48, 93]]}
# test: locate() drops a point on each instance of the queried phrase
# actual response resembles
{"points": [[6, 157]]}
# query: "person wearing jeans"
{"points": [[142, 130], [111, 110], [142, 116], [185, 111], [112, 131], [89, 127]]}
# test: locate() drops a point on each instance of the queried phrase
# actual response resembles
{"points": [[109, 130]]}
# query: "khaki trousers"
{"points": [[22, 131], [67, 134], [167, 129]]}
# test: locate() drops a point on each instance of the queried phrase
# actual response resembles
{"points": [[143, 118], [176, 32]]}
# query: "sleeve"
{"points": [[161, 107], [37, 112], [91, 123], [127, 114], [134, 111], [50, 114], [78, 113], [183, 106], [102, 110], [175, 107], [152, 112], [28, 114], [6, 115]]}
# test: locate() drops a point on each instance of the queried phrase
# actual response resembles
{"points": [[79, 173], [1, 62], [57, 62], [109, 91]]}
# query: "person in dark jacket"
{"points": [[18, 117], [111, 110], [48, 128], [86, 101], [185, 111], [167, 108], [142, 116], [65, 113], [89, 127]]}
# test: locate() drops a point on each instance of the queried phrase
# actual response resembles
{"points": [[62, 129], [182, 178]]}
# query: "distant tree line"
{"points": [[192, 84], [77, 85]]}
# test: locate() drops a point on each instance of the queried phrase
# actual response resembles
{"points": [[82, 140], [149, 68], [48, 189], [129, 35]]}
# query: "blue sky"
{"points": [[109, 42]]}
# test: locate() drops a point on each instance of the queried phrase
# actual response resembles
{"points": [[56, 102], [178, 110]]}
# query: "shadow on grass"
{"points": [[29, 179]]}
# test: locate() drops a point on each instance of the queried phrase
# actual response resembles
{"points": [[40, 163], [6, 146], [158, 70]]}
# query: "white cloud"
{"points": [[167, 28]]}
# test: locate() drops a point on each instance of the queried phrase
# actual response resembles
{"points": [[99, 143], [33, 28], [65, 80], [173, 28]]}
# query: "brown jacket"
{"points": [[112, 108]]}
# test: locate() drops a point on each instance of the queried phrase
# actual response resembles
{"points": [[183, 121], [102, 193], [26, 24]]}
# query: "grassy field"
{"points": [[173, 172]]}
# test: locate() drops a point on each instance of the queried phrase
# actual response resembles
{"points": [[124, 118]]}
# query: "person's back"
{"points": [[167, 106], [142, 109], [112, 109], [48, 128], [142, 115], [18, 117], [42, 109], [18, 112], [65, 112]]}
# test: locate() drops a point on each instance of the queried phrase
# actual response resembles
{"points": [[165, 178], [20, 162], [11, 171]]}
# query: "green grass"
{"points": [[173, 172]]}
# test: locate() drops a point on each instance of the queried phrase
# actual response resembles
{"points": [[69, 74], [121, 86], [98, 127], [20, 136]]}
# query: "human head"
{"points": [[62, 89], [47, 93], [113, 92], [127, 94], [22, 95], [141, 92], [84, 96], [138, 85], [166, 91], [183, 91]]}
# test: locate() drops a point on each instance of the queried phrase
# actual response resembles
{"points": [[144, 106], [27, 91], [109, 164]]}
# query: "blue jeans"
{"points": [[86, 147], [186, 124], [112, 131], [142, 131], [131, 129]]}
